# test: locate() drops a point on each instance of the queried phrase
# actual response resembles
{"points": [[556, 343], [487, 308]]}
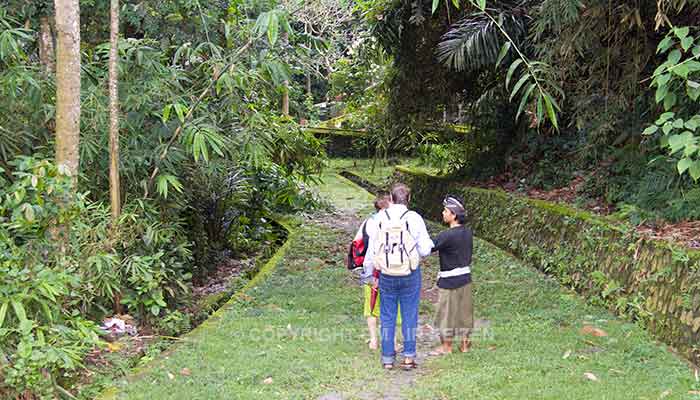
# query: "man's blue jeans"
{"points": [[395, 291]]}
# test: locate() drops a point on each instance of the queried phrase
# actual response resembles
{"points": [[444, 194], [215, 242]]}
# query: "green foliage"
{"points": [[436, 155], [62, 262], [270, 22], [174, 323], [13, 40], [24, 114], [678, 89], [144, 262], [205, 161], [597, 53], [363, 83], [42, 332], [646, 188], [474, 41]]}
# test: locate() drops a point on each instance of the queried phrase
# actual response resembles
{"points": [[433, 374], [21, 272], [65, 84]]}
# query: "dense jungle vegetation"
{"points": [[142, 142], [597, 95], [207, 153]]}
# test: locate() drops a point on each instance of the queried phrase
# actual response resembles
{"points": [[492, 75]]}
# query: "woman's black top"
{"points": [[455, 247]]}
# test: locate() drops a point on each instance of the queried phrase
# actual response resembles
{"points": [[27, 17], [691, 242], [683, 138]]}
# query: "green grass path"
{"points": [[300, 334]]}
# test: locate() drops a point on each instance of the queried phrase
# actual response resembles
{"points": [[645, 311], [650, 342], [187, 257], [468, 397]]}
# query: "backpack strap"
{"points": [[388, 217], [403, 215], [386, 249]]}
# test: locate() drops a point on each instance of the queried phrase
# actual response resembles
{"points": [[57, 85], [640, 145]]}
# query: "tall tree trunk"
{"points": [[285, 98], [308, 83], [114, 184], [68, 86], [114, 187], [46, 51]]}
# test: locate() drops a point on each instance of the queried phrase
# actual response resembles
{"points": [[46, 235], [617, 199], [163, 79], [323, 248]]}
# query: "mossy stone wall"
{"points": [[652, 282]]}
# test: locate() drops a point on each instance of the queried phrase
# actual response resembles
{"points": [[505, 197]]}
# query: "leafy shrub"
{"points": [[144, 262], [645, 187], [230, 205], [62, 262], [216, 195], [43, 337], [436, 155], [174, 323], [678, 90]]}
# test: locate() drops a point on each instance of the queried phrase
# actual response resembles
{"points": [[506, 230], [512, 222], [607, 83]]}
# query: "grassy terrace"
{"points": [[363, 167], [300, 334]]}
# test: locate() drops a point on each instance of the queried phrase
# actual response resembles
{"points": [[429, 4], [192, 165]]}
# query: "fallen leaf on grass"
{"points": [[268, 380], [590, 376], [593, 331], [492, 348], [114, 347], [245, 297], [665, 394], [185, 372], [567, 354], [171, 376], [696, 392]]}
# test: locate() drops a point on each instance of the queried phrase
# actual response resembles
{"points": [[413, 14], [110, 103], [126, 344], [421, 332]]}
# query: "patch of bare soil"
{"points": [[220, 279], [686, 233]]}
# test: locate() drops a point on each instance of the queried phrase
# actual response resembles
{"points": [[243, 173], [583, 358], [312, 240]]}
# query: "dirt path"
{"points": [[299, 333], [379, 384]]}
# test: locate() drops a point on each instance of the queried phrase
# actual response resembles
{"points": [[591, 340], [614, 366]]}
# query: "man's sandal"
{"points": [[388, 367], [407, 366]]}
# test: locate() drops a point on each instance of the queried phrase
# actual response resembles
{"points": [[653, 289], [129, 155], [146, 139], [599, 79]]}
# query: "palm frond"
{"points": [[474, 42]]}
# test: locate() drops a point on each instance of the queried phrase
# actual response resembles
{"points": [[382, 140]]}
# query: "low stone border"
{"points": [[361, 182]]}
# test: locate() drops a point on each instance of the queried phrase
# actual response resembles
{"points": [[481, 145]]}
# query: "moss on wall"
{"points": [[652, 282]]}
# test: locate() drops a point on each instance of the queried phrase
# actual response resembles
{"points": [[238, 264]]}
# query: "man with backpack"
{"points": [[397, 241]]}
